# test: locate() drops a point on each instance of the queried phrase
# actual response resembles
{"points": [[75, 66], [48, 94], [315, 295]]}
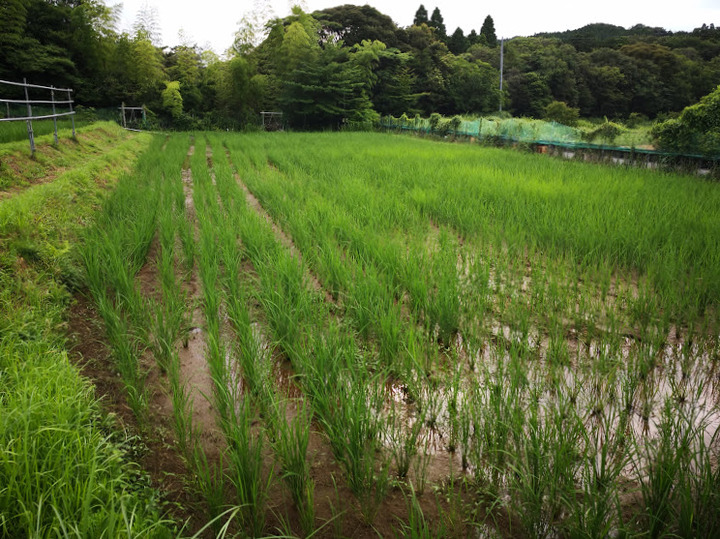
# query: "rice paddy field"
{"points": [[360, 334]]}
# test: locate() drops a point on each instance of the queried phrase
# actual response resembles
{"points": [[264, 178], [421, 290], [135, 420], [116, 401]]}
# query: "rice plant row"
{"points": [[546, 329], [588, 347]]}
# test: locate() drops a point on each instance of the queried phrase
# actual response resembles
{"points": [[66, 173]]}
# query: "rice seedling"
{"points": [[417, 526], [291, 443]]}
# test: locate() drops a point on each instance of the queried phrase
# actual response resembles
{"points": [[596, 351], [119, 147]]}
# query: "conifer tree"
{"points": [[488, 30], [421, 16], [437, 22], [458, 43]]}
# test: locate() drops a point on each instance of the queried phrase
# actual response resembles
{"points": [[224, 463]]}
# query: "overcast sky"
{"points": [[213, 22]]}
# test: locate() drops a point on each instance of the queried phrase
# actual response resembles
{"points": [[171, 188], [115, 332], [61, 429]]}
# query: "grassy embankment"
{"points": [[64, 467]]}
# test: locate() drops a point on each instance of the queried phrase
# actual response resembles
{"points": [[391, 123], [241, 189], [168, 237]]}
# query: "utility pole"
{"points": [[502, 46]]}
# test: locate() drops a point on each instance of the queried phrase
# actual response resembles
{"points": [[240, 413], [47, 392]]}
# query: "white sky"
{"points": [[213, 22]]}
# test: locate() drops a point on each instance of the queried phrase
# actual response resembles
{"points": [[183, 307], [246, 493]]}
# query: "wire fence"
{"points": [[549, 137], [27, 104]]}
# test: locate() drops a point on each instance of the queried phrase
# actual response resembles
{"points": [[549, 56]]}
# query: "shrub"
{"points": [[444, 127], [455, 123], [607, 131], [560, 112], [635, 119], [434, 121], [696, 130]]}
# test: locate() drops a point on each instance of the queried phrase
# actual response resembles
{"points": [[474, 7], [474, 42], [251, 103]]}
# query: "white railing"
{"points": [[30, 102]]}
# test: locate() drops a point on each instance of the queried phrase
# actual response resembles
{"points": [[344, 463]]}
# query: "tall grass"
{"points": [[65, 467]]}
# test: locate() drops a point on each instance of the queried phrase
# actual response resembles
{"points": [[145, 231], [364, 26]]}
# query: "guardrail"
{"points": [[30, 102]]}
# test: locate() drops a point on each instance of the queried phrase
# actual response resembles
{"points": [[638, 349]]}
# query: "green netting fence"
{"points": [[541, 134]]}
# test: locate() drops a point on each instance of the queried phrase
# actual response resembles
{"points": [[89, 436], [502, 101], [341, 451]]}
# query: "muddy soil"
{"points": [[153, 445]]}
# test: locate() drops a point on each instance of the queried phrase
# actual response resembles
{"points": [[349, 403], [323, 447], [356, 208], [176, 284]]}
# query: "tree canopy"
{"points": [[351, 63], [421, 16], [488, 30], [696, 130]]}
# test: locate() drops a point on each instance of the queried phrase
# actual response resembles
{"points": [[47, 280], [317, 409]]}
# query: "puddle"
{"points": [[600, 381]]}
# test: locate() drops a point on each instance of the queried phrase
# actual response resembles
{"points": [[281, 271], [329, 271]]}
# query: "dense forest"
{"points": [[352, 63]]}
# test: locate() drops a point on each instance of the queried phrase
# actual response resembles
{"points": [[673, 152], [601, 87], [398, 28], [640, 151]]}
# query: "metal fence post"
{"points": [[122, 109], [29, 121], [52, 95], [72, 116]]}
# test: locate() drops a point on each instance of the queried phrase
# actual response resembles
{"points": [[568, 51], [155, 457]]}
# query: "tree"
{"points": [[183, 65], [421, 16], [458, 43], [488, 30], [437, 22], [251, 28], [394, 91], [366, 56], [292, 41], [147, 25], [473, 86], [559, 112], [325, 91], [608, 88], [145, 70], [28, 49], [172, 99], [430, 61], [529, 94], [355, 24], [297, 45], [696, 130], [674, 73], [232, 81]]}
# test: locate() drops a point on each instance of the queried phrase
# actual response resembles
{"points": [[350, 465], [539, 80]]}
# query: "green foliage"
{"points": [[298, 46], [394, 92], [65, 467], [602, 70], [488, 31], [436, 21], [354, 24], [434, 121], [458, 43], [473, 86], [325, 91], [696, 130], [636, 119], [421, 16], [607, 131], [529, 93], [559, 112], [172, 100]]}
